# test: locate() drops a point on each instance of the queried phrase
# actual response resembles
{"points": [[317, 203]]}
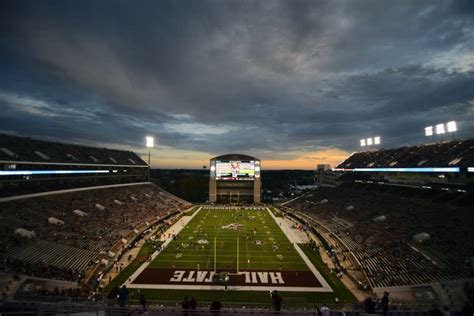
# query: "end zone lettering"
{"points": [[253, 277]]}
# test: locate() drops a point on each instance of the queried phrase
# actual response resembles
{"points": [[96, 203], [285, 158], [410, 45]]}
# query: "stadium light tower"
{"points": [[370, 141], [451, 127], [439, 128], [150, 141], [429, 131]]}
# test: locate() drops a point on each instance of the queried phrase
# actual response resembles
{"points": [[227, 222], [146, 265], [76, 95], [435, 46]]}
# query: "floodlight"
{"points": [[362, 142], [149, 142], [440, 129], [369, 141], [429, 131], [451, 126], [377, 140]]}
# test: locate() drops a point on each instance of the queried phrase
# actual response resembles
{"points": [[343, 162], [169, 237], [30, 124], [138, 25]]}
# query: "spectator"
{"points": [[113, 294], [434, 311], [216, 307], [369, 305], [122, 296], [185, 306], [324, 311], [277, 301], [143, 301], [318, 313], [467, 310], [192, 306], [446, 311], [385, 303]]}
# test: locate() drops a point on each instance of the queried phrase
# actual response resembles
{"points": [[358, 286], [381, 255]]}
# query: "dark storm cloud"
{"points": [[256, 76]]}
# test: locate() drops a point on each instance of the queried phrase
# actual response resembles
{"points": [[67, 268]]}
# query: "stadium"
{"points": [[81, 222], [285, 157]]}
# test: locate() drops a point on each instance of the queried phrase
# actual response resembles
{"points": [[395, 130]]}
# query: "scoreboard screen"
{"points": [[235, 170]]}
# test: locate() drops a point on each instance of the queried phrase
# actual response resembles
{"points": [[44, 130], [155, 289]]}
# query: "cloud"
{"points": [[330, 156], [278, 79]]}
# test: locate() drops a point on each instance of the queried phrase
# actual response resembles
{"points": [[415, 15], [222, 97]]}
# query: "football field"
{"points": [[239, 248], [222, 239]]}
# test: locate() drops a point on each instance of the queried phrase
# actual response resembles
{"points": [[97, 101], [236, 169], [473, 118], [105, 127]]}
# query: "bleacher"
{"points": [[21, 149], [85, 236], [30, 166], [386, 249], [459, 153]]}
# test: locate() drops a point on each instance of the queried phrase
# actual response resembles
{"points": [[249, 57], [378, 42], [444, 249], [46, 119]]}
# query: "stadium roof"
{"points": [[234, 157], [22, 149]]}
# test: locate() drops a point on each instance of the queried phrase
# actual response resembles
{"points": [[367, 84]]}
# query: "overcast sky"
{"points": [[294, 83]]}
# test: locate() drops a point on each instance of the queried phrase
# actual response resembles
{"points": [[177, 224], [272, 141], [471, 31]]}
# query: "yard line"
{"points": [[215, 238]]}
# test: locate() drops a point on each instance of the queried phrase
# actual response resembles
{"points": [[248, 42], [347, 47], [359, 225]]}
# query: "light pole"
{"points": [[149, 144]]}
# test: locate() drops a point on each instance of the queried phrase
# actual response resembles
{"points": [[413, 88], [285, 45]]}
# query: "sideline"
{"points": [[308, 262], [176, 228]]}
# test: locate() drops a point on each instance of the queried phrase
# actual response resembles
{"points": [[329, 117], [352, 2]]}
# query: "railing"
{"points": [[99, 308], [31, 308]]}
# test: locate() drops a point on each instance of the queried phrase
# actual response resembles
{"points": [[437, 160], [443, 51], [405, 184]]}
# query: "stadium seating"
{"points": [[384, 246], [65, 251], [448, 154], [13, 148]]}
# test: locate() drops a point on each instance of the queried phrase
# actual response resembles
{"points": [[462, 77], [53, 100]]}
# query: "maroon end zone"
{"points": [[248, 278]]}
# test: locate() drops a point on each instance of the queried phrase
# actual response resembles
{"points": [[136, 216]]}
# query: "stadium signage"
{"points": [[193, 276], [251, 277], [47, 172], [263, 277], [442, 169]]}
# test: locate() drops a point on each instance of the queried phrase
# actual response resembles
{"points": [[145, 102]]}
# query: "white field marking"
{"points": [[308, 262], [229, 287], [273, 254], [230, 260], [177, 227], [214, 247]]}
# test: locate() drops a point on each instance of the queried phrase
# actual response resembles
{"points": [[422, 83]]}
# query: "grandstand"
{"points": [[80, 239], [376, 231], [14, 149], [459, 153], [29, 166], [75, 233], [397, 230]]}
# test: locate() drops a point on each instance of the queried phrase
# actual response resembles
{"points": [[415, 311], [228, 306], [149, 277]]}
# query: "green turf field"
{"points": [[207, 224], [261, 243]]}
